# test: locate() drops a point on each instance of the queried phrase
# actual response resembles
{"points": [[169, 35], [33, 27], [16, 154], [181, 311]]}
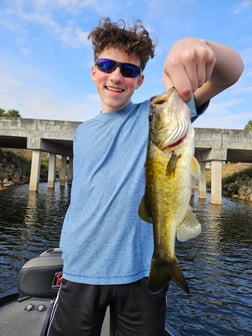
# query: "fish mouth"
{"points": [[169, 120], [160, 99]]}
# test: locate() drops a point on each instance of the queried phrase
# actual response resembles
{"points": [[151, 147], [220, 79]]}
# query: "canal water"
{"points": [[217, 264]]}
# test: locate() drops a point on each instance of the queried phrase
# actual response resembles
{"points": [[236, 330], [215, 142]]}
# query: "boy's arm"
{"points": [[200, 67]]}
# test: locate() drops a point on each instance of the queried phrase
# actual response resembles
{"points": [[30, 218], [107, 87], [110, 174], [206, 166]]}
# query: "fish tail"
{"points": [[162, 272]]}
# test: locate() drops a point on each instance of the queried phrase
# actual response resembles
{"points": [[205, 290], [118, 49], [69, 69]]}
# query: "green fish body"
{"points": [[170, 165]]}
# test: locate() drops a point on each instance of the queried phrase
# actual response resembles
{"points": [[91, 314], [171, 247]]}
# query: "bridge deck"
{"points": [[55, 136]]}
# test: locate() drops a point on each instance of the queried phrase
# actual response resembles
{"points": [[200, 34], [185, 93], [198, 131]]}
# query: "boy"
{"points": [[106, 247]]}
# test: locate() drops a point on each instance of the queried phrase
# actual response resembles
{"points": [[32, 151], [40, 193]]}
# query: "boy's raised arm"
{"points": [[200, 67]]}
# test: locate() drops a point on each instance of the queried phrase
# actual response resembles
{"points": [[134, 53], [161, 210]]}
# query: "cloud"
{"points": [[47, 106], [241, 6], [42, 103], [48, 73], [73, 36], [230, 121], [18, 16], [37, 94], [225, 114], [246, 55]]}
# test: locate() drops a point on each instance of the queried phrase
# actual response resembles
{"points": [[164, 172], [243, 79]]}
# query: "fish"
{"points": [[169, 170]]}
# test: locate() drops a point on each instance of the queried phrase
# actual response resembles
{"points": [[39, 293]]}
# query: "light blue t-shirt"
{"points": [[103, 239]]}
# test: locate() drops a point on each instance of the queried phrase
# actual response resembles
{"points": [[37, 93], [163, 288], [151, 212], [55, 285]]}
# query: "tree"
{"points": [[13, 114], [2, 112], [10, 113], [248, 126]]}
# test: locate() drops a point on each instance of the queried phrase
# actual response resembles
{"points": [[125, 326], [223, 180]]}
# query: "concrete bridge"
{"points": [[215, 146]]}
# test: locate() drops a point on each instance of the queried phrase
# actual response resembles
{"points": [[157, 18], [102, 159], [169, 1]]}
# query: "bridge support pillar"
{"points": [[51, 171], [216, 182], [202, 181], [70, 171], [35, 170], [63, 170]]}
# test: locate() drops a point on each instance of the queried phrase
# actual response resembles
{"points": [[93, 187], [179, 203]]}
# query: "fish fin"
{"points": [[190, 228], [171, 165], [162, 272], [195, 168], [143, 212]]}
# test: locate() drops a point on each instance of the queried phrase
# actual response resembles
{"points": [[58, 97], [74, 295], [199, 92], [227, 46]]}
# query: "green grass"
{"points": [[240, 174]]}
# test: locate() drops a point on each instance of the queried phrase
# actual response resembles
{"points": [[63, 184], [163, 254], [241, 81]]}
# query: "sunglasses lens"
{"points": [[127, 69], [130, 70], [106, 65]]}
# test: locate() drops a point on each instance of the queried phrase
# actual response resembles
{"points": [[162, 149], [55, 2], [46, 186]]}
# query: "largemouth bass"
{"points": [[170, 166]]}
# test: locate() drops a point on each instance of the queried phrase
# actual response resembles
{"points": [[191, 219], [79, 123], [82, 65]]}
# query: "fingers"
{"points": [[188, 66], [179, 79], [204, 59]]}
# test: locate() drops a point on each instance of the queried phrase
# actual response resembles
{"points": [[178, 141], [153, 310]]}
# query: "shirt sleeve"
{"points": [[196, 112]]}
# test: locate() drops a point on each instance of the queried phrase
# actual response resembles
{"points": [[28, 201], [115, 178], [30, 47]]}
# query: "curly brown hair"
{"points": [[131, 40]]}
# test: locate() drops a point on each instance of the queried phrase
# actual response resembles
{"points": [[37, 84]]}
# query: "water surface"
{"points": [[217, 264]]}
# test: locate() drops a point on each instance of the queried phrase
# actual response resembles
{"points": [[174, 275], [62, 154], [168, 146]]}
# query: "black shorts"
{"points": [[79, 310]]}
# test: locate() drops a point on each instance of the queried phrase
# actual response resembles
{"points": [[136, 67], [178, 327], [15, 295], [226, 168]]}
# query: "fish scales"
{"points": [[168, 186]]}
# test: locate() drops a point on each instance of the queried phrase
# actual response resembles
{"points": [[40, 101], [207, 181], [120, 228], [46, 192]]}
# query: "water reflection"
{"points": [[217, 264], [30, 222], [31, 208]]}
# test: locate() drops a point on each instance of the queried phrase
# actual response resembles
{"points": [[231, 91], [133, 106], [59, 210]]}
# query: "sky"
{"points": [[45, 56]]}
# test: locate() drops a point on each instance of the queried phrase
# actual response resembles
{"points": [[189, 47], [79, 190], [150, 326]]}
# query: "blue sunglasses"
{"points": [[127, 69]]}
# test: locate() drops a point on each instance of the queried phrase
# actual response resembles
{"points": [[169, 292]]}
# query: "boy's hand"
{"points": [[188, 65]]}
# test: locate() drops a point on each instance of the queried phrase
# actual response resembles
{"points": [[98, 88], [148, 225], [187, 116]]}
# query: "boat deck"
{"points": [[16, 320], [28, 317]]}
